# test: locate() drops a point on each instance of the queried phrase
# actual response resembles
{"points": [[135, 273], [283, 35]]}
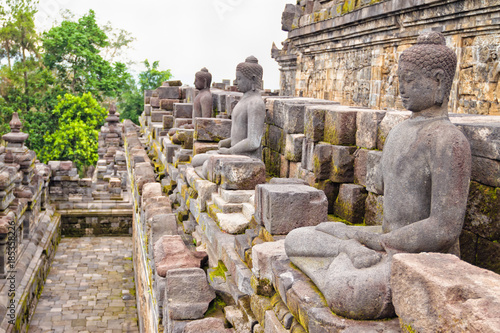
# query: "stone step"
{"points": [[224, 206], [236, 196], [248, 210]]}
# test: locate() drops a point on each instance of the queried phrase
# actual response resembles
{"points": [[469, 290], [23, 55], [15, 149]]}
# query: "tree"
{"points": [[79, 120], [73, 51], [132, 100]]}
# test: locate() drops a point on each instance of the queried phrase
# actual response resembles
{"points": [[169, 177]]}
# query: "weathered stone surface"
{"points": [[232, 223], [263, 255], [374, 209], [200, 147], [350, 203], [172, 253], [340, 126], [183, 110], [157, 116], [272, 160], [212, 129], [483, 133], [168, 104], [284, 167], [322, 160], [272, 324], [293, 147], [307, 161], [360, 170], [391, 119], [179, 122], [237, 174], [154, 102], [342, 170], [212, 325], [305, 206], [485, 171], [168, 92], [274, 138], [314, 127], [429, 295], [367, 124], [482, 216], [150, 190], [373, 172], [487, 254], [143, 174], [187, 293]]}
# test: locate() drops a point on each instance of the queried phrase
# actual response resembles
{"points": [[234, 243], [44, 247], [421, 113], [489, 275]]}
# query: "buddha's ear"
{"points": [[438, 75]]}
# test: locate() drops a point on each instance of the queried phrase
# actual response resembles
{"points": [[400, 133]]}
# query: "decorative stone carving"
{"points": [[425, 171]]}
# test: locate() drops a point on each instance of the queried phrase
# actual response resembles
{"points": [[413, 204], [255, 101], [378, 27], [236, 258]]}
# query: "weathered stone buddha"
{"points": [[248, 116], [202, 104], [425, 171]]}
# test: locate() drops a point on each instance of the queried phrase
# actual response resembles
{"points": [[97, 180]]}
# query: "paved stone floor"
{"points": [[90, 288]]}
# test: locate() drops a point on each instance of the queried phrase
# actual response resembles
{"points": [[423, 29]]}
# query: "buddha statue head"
{"points": [[203, 79], [426, 72], [249, 75]]}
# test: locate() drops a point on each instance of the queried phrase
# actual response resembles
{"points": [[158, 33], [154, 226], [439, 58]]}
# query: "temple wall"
{"points": [[323, 156], [347, 51]]}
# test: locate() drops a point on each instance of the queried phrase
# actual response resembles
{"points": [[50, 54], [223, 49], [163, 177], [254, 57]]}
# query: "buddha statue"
{"points": [[425, 172], [248, 116], [202, 104]]}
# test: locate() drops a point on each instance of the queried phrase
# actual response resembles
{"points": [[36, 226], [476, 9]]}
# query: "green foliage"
{"points": [[75, 139], [72, 50], [132, 101]]}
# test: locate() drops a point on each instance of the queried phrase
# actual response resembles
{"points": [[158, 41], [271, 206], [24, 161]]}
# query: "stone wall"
{"points": [[325, 154], [29, 230], [347, 51]]}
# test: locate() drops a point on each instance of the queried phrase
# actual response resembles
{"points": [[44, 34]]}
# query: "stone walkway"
{"points": [[90, 288]]}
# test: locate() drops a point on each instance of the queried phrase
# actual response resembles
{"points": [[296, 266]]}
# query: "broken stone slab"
{"points": [[342, 169], [391, 119], [205, 189], [168, 92], [147, 110], [240, 174], [429, 295], [234, 223], [187, 293], [154, 102], [179, 122], [483, 133], [350, 203], [156, 205], [170, 253], [212, 129], [212, 325], [287, 181], [183, 110], [293, 147], [367, 124], [485, 171], [373, 172], [305, 206], [162, 225], [168, 122], [263, 255]]}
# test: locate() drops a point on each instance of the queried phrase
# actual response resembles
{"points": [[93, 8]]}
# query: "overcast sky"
{"points": [[186, 35]]}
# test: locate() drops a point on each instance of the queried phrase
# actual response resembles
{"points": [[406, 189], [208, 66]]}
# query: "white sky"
{"points": [[189, 34]]}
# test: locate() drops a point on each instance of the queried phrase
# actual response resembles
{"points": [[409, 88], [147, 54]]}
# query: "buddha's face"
{"points": [[417, 89], [199, 82], [244, 84]]}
